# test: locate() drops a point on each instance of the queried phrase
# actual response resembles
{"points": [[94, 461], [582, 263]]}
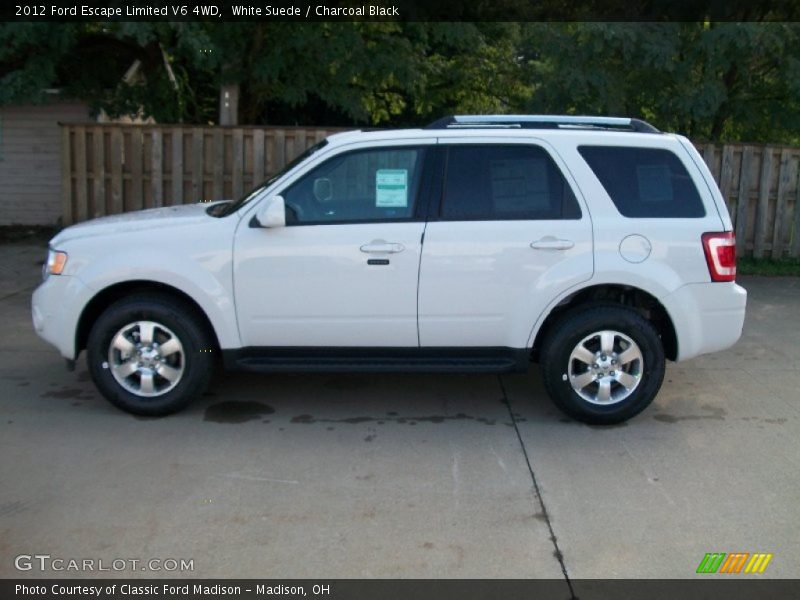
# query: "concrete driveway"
{"points": [[403, 476]]}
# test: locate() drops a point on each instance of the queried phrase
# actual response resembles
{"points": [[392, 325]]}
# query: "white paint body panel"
{"points": [[181, 247], [312, 286], [481, 283]]}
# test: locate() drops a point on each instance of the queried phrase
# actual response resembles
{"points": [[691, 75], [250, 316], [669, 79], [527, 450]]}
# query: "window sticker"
{"points": [[655, 183], [391, 188]]}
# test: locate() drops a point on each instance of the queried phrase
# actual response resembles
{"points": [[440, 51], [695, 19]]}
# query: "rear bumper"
{"points": [[56, 308], [708, 317]]}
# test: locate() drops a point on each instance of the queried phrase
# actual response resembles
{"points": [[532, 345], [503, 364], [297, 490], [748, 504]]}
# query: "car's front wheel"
{"points": [[150, 354], [602, 364]]}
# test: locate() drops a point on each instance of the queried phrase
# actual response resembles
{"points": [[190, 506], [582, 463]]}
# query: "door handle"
{"points": [[381, 247], [551, 243]]}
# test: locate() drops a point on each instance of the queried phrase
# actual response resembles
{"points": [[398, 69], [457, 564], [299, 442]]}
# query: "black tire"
{"points": [[573, 328], [197, 358]]}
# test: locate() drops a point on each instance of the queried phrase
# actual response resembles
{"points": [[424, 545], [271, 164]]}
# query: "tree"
{"points": [[89, 60], [716, 81]]}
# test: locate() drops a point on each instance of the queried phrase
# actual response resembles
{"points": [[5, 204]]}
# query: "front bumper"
{"points": [[708, 317], [56, 309]]}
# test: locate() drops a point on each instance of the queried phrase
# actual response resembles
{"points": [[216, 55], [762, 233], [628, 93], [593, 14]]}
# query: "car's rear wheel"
{"points": [[603, 364], [150, 354]]}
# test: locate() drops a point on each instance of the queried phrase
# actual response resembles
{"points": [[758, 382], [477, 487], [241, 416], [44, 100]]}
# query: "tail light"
{"points": [[720, 249]]}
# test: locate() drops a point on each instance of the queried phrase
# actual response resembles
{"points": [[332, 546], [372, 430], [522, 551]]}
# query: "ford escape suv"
{"points": [[598, 247]]}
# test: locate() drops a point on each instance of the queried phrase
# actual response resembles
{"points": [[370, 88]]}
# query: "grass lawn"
{"points": [[768, 267]]}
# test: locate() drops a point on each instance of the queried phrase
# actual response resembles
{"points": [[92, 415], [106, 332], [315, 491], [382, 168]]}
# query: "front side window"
{"points": [[645, 182], [497, 182], [363, 185]]}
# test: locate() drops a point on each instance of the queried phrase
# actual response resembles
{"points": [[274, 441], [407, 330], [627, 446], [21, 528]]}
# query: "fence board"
{"points": [[762, 207], [156, 169], [136, 199], [117, 200], [726, 174], [238, 162], [218, 182], [197, 165], [99, 172], [67, 216], [81, 198], [258, 157], [299, 141], [780, 207], [177, 165], [708, 158], [743, 200], [278, 152], [795, 249]]}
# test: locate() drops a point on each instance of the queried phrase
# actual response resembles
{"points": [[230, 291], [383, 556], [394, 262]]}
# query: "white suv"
{"points": [[596, 246]]}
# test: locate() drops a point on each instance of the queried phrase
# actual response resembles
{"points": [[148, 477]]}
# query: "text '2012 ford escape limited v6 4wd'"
{"points": [[597, 246]]}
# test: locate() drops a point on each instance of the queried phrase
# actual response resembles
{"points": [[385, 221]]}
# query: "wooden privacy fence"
{"points": [[760, 185], [113, 168]]}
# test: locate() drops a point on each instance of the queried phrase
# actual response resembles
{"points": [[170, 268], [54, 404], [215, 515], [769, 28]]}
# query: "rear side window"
{"points": [[496, 182], [645, 182]]}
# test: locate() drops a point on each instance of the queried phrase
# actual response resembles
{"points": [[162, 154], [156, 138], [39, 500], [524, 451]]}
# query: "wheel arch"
{"points": [[642, 301], [107, 296]]}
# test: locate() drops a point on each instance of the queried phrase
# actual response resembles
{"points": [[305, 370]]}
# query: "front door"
{"points": [[344, 271]]}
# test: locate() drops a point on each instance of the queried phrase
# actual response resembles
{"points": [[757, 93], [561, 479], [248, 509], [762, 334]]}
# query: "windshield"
{"points": [[227, 208]]}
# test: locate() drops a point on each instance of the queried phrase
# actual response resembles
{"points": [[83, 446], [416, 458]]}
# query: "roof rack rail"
{"points": [[542, 122]]}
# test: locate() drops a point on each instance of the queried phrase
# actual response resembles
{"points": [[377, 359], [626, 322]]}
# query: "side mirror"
{"points": [[323, 190], [273, 213]]}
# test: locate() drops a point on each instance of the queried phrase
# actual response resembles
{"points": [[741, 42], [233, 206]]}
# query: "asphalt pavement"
{"points": [[424, 476]]}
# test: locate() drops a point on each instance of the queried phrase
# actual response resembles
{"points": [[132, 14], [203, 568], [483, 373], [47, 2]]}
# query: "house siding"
{"points": [[30, 167]]}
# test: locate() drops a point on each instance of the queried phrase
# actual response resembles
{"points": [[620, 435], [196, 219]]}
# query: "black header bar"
{"points": [[399, 10]]}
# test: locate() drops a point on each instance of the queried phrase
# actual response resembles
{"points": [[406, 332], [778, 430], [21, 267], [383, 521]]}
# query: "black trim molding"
{"points": [[308, 359]]}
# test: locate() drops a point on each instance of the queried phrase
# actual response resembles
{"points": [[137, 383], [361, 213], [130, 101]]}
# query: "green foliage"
{"points": [[89, 61], [724, 81], [715, 81], [29, 58]]}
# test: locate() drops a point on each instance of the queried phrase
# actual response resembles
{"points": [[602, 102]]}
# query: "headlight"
{"points": [[56, 262]]}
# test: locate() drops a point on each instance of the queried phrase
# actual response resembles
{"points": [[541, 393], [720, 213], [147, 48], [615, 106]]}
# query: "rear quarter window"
{"points": [[645, 182]]}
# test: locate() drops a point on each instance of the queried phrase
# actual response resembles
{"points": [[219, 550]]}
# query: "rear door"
{"points": [[508, 235]]}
